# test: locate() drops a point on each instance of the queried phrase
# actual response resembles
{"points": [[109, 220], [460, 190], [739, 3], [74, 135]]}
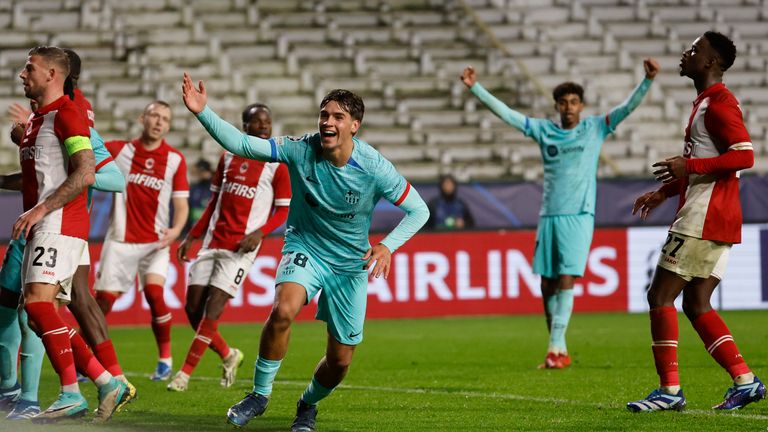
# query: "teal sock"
{"points": [[560, 320], [264, 375], [550, 306], [32, 353], [315, 392], [10, 338]]}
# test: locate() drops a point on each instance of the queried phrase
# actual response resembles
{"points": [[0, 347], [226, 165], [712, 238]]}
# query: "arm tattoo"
{"points": [[83, 176]]}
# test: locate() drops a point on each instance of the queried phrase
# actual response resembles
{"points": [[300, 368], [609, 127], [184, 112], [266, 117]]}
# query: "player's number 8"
{"points": [[239, 276], [300, 260]]}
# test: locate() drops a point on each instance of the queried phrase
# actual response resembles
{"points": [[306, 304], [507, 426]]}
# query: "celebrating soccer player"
{"points": [[570, 153], [339, 180], [708, 221], [138, 236], [237, 218]]}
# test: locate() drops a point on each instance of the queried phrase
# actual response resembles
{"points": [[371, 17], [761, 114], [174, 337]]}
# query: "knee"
{"points": [[281, 316], [339, 364], [693, 307]]}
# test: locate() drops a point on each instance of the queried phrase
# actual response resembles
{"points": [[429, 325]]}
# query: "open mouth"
{"points": [[327, 134]]}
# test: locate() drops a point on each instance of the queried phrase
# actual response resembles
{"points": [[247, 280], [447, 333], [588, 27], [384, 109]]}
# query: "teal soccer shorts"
{"points": [[342, 299], [10, 275], [562, 245]]}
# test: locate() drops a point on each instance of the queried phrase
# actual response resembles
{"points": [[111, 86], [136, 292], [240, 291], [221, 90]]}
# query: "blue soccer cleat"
{"points": [[253, 405], [9, 397], [305, 417], [24, 410], [739, 396], [658, 401], [162, 373], [68, 405]]}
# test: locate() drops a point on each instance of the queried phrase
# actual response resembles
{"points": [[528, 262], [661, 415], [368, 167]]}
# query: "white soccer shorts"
{"points": [[122, 262], [221, 268], [65, 298], [52, 258], [691, 257]]}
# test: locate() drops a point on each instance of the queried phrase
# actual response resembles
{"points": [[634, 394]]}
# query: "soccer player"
{"points": [[238, 216], [339, 179], [112, 394], [57, 166], [570, 152], [138, 237], [708, 221]]}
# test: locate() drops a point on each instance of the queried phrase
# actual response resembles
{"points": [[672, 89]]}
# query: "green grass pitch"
{"points": [[452, 374]]}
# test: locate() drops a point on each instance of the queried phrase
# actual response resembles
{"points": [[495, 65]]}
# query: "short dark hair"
{"points": [[348, 101], [568, 88], [724, 47], [54, 55], [251, 109]]}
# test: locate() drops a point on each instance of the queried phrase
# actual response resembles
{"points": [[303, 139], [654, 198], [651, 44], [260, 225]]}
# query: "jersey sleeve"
{"points": [[725, 125], [100, 152], [71, 128], [114, 147], [218, 176], [390, 183], [235, 141], [281, 184], [180, 182], [622, 111]]}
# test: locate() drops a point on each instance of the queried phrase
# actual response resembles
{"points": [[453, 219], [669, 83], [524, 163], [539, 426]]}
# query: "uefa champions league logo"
{"points": [[352, 197]]}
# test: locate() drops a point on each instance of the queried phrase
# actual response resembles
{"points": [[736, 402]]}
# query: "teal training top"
{"points": [[331, 209], [570, 156]]}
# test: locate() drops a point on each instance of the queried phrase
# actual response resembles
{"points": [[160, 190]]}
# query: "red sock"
{"points": [[205, 333], [219, 345], [664, 332], [105, 301], [85, 362], [719, 343], [107, 356], [161, 319], [55, 339]]}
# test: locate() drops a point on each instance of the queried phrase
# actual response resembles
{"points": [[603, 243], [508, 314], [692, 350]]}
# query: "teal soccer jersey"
{"points": [[570, 158], [330, 213]]}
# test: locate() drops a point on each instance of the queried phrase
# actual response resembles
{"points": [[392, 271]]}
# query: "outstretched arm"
{"points": [[11, 181], [224, 133], [619, 113], [507, 114]]}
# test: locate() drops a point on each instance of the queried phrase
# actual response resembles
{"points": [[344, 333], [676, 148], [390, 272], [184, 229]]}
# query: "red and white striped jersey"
{"points": [[152, 178], [83, 103], [247, 190], [709, 206], [45, 166]]}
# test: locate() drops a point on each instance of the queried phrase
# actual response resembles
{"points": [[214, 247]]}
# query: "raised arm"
{"points": [[619, 113], [224, 133], [507, 114]]}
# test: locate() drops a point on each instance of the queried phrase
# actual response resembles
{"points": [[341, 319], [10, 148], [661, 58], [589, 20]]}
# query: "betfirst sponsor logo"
{"points": [[240, 190], [146, 180], [30, 153]]}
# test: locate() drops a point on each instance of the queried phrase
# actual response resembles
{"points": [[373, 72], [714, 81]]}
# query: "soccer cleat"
{"points": [[229, 367], [82, 378], [24, 410], [68, 405], [659, 401], [162, 373], [555, 361], [305, 417], [112, 397], [739, 396], [179, 383], [251, 406], [9, 397]]}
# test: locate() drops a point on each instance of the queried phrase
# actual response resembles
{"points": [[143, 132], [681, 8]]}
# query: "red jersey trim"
{"points": [[405, 193]]}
